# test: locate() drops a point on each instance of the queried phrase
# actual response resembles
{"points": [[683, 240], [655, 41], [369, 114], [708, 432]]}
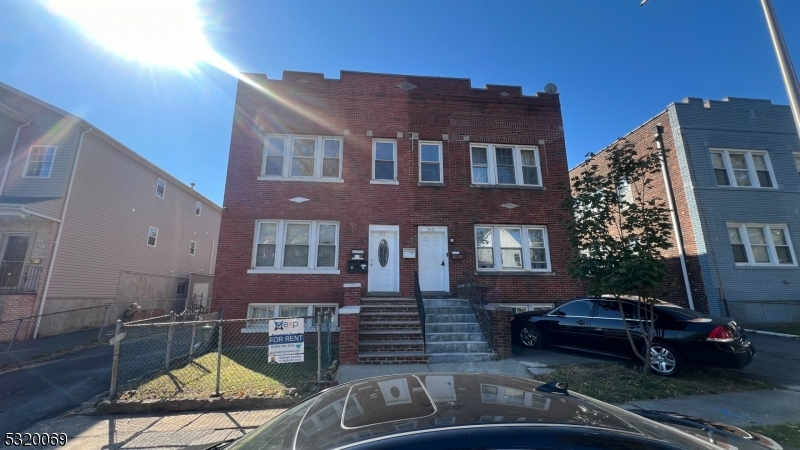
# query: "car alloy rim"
{"points": [[661, 359], [529, 336]]}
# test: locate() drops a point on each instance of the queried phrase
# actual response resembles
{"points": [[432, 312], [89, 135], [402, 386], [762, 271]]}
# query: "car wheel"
{"points": [[664, 360], [530, 336]]}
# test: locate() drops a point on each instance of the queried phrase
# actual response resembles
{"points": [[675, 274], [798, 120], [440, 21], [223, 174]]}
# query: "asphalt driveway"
{"points": [[777, 360]]}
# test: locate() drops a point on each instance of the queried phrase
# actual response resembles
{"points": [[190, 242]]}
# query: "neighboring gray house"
{"points": [[735, 172], [85, 220]]}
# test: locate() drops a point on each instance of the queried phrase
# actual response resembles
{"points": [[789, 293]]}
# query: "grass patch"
{"points": [[243, 373], [620, 383], [787, 434], [792, 328]]}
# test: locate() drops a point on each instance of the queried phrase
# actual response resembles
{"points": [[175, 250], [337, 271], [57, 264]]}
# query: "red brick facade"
{"points": [[643, 138], [360, 107]]}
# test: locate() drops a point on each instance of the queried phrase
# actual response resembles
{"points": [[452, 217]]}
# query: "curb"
{"points": [[772, 333], [215, 404]]}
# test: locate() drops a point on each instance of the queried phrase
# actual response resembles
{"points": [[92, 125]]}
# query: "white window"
{"points": [[761, 245], [192, 247], [161, 187], [197, 208], [296, 246], [624, 193], [40, 161], [310, 158], [265, 311], [742, 168], [384, 161], [511, 248], [182, 289], [152, 235], [797, 162], [509, 165], [430, 162]]}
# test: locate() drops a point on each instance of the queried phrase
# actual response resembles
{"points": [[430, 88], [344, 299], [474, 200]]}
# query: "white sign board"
{"points": [[286, 340]]}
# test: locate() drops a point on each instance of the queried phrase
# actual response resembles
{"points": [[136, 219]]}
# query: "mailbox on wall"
{"points": [[362, 267], [356, 266]]}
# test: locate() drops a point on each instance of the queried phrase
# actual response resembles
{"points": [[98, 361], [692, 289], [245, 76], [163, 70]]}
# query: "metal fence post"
{"points": [[319, 347], [219, 356], [103, 323], [14, 338], [115, 365], [191, 343], [169, 337]]}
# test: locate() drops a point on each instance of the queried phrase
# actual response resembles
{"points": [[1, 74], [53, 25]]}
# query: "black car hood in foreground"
{"points": [[379, 407]]}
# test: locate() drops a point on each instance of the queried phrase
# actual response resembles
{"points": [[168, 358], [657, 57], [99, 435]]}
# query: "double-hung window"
{"points": [[761, 245], [508, 165], [742, 168], [430, 162], [40, 161], [511, 248], [152, 236], [302, 157], [161, 187], [384, 161], [261, 313], [296, 246], [197, 208]]}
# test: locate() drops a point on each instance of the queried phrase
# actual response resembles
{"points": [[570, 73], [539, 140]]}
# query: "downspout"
{"points": [[11, 156], [658, 135], [60, 229]]}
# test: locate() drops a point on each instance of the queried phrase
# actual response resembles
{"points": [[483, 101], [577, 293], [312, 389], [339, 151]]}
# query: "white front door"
{"points": [[384, 259], [433, 264]]}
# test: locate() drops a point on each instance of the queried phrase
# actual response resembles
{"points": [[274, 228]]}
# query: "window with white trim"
{"points": [[268, 311], [296, 246], [152, 236], [192, 247], [511, 248], [742, 168], [430, 162], [161, 188], [384, 160], [797, 162], [624, 193], [761, 245], [302, 157], [198, 208], [510, 165], [40, 161]]}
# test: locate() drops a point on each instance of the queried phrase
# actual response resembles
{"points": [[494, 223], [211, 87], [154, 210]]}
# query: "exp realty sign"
{"points": [[286, 340]]}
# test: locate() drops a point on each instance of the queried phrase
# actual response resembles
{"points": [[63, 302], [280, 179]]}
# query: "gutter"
{"points": [[11, 156], [60, 229]]}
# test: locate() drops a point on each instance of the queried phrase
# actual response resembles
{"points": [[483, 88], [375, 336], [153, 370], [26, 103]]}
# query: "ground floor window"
{"points": [[512, 247], [761, 245], [266, 311]]}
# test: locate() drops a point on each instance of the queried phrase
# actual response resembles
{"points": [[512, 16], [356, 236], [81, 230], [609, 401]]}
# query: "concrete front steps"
{"points": [[390, 332], [453, 333]]}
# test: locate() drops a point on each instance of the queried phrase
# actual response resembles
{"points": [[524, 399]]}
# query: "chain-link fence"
{"points": [[771, 312], [196, 359]]}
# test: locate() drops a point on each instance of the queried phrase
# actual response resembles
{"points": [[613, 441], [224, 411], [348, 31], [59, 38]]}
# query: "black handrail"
{"points": [[16, 278], [469, 291], [420, 308]]}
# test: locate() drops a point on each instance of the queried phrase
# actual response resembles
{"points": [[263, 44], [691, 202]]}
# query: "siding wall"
{"points": [[8, 129], [112, 206], [50, 207], [47, 128]]}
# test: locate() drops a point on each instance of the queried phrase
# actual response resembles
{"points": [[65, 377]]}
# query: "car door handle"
{"points": [[582, 322]]}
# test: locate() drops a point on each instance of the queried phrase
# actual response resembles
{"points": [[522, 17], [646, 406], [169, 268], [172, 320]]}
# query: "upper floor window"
{"points": [[760, 244], [302, 157], [430, 162], [624, 193], [161, 187], [192, 247], [501, 247], [797, 162], [742, 168], [384, 161], [296, 246], [40, 161], [197, 208], [505, 165], [152, 235]]}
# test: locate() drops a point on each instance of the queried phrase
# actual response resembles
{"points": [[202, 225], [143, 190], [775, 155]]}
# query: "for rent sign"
{"points": [[286, 340]]}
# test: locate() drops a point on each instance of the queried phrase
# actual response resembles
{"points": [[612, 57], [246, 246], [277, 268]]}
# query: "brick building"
{"points": [[353, 184], [734, 167]]}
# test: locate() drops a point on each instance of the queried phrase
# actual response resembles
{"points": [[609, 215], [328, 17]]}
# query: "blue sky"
{"points": [[616, 64]]}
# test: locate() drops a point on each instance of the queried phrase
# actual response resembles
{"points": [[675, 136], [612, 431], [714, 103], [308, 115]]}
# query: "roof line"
{"points": [[120, 146], [14, 115]]}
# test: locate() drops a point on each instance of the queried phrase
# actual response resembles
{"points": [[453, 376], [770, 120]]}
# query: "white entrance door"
{"points": [[384, 259], [433, 264]]}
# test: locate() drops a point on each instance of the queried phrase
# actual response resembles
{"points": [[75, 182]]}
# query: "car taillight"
{"points": [[720, 334]]}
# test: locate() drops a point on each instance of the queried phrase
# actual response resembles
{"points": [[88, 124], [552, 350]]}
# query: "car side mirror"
{"points": [[561, 313]]}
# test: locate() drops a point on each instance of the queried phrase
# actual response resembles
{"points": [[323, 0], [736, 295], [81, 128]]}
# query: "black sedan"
{"points": [[449, 411], [682, 336]]}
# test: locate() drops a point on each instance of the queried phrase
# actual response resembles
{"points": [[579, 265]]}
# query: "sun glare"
{"points": [[155, 32]]}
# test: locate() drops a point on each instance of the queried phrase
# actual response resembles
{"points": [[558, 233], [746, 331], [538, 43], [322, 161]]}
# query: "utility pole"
{"points": [[785, 62]]}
